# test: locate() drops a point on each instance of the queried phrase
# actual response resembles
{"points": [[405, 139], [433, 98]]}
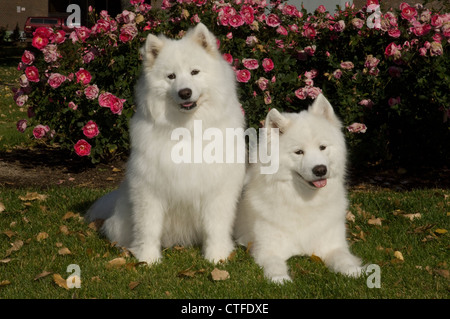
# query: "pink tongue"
{"points": [[320, 183], [187, 104]]}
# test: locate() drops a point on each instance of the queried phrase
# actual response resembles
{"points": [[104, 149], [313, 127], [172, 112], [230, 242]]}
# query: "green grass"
{"points": [[10, 113], [422, 274]]}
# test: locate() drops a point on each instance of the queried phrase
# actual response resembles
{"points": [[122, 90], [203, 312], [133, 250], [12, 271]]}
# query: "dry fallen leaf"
{"points": [[116, 263], [218, 274], [60, 281], [33, 196], [413, 216], [9, 233], [133, 284], [64, 251], [5, 261], [350, 217], [2, 207], [15, 247], [41, 236], [70, 215], [374, 221], [63, 229], [440, 231], [5, 283], [442, 272], [316, 259], [398, 255], [42, 275], [96, 224]]}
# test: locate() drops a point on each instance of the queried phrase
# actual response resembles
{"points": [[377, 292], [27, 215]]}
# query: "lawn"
{"points": [[42, 233]]}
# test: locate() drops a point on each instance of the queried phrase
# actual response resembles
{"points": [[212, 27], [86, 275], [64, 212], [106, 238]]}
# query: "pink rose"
{"points": [[56, 79], [83, 76], [357, 23], [32, 74], [282, 30], [247, 14], [321, 9], [262, 83], [82, 33], [393, 50], [243, 76], [437, 21], [72, 106], [408, 12], [394, 32], [90, 130], [82, 148], [228, 57], [348, 65], [309, 31], [236, 21], [91, 92], [251, 41], [21, 99], [366, 102], [436, 48], [40, 130], [21, 125], [291, 10], [273, 20], [28, 57], [420, 29], [128, 32], [39, 42], [357, 128], [301, 93], [250, 64], [112, 102], [337, 74], [394, 101], [339, 26], [371, 61], [59, 37], [313, 91], [267, 64]]}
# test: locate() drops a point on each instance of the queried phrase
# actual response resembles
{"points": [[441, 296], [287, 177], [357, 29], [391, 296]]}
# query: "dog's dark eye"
{"points": [[195, 72], [299, 152], [322, 147], [172, 76]]}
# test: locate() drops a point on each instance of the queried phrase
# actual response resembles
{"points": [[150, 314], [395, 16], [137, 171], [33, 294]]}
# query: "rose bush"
{"points": [[388, 81]]}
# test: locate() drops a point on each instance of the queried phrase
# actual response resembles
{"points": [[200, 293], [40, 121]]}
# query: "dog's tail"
{"points": [[103, 208]]}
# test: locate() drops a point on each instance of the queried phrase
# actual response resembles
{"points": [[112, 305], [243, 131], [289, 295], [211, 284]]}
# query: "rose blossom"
{"points": [[408, 12], [394, 32], [262, 83], [313, 91], [251, 41], [394, 101], [236, 21], [357, 128], [337, 74], [436, 48], [250, 64], [32, 74], [393, 50], [82, 33], [112, 102], [83, 76], [56, 79], [357, 23], [366, 102], [21, 99], [21, 125], [273, 20], [128, 32], [247, 14], [309, 31], [301, 93], [90, 130], [50, 53], [91, 92], [348, 65], [58, 37], [243, 76], [339, 26], [40, 130], [28, 57], [371, 61], [267, 64], [228, 57], [23, 81], [82, 148], [72, 106]]}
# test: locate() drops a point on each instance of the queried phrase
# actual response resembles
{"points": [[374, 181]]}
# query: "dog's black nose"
{"points": [[319, 170], [185, 93]]}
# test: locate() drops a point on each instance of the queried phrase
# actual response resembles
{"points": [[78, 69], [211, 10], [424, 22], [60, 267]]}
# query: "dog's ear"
{"points": [[203, 37], [275, 119], [151, 49], [321, 107]]}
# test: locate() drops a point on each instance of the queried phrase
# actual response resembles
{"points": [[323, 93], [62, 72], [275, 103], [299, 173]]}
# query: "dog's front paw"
{"points": [[218, 252], [353, 271], [149, 255], [281, 279]]}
